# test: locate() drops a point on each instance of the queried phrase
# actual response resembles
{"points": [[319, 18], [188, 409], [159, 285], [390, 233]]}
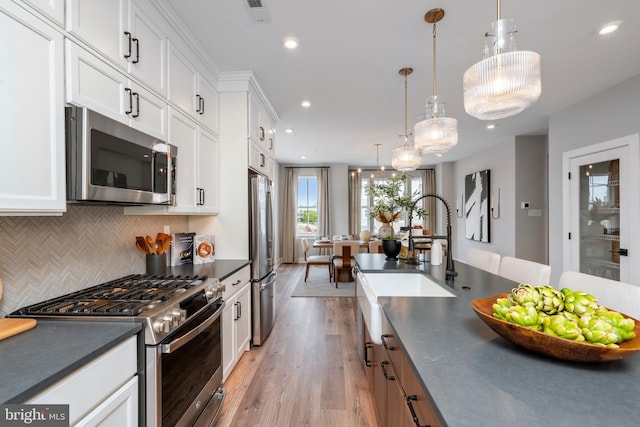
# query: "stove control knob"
{"points": [[161, 326], [178, 316]]}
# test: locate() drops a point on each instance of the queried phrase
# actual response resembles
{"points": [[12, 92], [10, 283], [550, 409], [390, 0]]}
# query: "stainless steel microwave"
{"points": [[110, 162]]}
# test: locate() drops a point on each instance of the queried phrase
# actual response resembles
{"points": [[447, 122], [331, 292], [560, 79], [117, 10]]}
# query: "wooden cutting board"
{"points": [[11, 327]]}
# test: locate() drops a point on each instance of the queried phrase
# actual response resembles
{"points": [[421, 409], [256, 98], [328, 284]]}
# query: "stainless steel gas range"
{"points": [[181, 316]]}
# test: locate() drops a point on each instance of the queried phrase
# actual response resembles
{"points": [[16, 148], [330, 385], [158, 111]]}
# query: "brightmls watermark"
{"points": [[13, 415]]}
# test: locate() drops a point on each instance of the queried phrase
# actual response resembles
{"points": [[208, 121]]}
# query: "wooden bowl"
{"points": [[549, 345]]}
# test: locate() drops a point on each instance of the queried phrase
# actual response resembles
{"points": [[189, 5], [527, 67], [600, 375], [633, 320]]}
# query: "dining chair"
{"points": [[375, 247], [315, 260], [484, 260], [524, 271], [618, 296], [343, 252]]}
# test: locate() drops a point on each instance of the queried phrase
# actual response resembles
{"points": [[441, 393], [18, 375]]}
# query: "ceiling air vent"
{"points": [[258, 11]]}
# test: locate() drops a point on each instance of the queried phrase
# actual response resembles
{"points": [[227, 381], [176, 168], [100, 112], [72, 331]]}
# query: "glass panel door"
{"points": [[599, 190], [601, 206]]}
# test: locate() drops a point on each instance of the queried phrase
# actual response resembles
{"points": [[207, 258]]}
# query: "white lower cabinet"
{"points": [[32, 164], [103, 392], [236, 320]]}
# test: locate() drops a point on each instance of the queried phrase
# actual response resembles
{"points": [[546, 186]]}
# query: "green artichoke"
{"points": [[552, 299], [561, 326], [526, 295], [579, 302]]}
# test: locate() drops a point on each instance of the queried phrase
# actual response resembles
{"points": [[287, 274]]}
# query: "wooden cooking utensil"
{"points": [[160, 243], [152, 245], [141, 243]]}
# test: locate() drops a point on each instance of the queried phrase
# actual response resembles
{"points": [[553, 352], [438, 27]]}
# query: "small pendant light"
{"points": [[406, 157], [436, 134]]}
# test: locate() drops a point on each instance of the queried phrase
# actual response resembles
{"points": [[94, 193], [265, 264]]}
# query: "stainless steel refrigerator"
{"points": [[263, 275]]}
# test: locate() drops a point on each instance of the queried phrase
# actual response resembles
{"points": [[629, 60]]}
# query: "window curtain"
{"points": [[324, 205], [429, 203], [289, 240], [355, 194]]}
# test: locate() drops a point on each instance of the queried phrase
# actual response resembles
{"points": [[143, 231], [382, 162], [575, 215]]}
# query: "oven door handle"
{"points": [[177, 343]]}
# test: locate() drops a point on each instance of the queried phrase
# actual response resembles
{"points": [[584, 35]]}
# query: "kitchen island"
{"points": [[475, 377]]}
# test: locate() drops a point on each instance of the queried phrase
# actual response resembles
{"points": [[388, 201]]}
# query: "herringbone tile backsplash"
{"points": [[44, 257]]}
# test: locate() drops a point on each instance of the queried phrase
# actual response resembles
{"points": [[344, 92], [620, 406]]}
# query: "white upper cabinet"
{"points": [[126, 34], [148, 49], [197, 170], [54, 9], [94, 84], [32, 164], [101, 24], [189, 90]]}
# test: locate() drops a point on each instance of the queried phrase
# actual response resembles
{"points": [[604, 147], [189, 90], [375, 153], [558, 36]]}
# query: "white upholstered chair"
{"points": [[618, 296], [524, 271], [375, 247], [484, 260], [315, 260], [343, 252]]}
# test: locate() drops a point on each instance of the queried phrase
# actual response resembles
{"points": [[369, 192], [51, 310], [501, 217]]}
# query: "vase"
{"points": [[391, 248], [385, 231]]}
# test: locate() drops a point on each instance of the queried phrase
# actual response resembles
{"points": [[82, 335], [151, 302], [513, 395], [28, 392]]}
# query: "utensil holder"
{"points": [[157, 264]]}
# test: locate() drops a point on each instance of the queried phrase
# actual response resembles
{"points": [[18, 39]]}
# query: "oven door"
{"points": [[185, 372]]}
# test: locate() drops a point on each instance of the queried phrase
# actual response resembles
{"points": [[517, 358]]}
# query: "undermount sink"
{"points": [[374, 285]]}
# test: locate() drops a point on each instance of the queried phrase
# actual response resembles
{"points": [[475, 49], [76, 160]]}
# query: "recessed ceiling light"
{"points": [[491, 126], [609, 27], [306, 103], [303, 157], [291, 43], [288, 130]]}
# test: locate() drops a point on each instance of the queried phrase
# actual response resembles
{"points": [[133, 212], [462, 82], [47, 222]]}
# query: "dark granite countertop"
{"points": [[477, 378], [220, 269], [34, 360]]}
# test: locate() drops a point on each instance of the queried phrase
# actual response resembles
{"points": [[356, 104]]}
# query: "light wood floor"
{"points": [[307, 372]]}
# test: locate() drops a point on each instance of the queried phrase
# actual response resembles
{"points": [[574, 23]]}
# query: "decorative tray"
{"points": [[549, 345]]}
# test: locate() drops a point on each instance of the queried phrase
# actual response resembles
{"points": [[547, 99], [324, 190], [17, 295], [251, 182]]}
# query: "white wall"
{"points": [[531, 224], [610, 114], [500, 160]]}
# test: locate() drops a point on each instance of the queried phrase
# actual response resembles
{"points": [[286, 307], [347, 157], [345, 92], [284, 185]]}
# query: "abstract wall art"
{"points": [[476, 206]]}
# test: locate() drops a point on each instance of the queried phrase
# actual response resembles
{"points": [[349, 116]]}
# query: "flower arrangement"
{"points": [[391, 200]]}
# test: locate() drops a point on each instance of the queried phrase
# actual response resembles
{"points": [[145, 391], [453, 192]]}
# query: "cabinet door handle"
{"points": [[128, 34], [137, 114], [126, 89], [384, 343], [201, 105], [367, 346], [238, 310], [262, 133], [198, 103], [135, 61], [411, 398], [262, 160], [270, 143], [237, 282], [384, 371], [200, 191]]}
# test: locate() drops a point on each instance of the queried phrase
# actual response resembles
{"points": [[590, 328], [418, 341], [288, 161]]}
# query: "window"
{"points": [[307, 206], [367, 223]]}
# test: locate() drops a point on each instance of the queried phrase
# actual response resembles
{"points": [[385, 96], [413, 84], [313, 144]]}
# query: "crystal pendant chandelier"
{"points": [[436, 134], [507, 80], [406, 157]]}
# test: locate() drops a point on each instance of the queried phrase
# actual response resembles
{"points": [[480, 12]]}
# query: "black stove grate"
{"points": [[127, 296]]}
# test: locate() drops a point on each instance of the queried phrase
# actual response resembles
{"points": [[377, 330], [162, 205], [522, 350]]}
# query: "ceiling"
{"points": [[351, 51]]}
